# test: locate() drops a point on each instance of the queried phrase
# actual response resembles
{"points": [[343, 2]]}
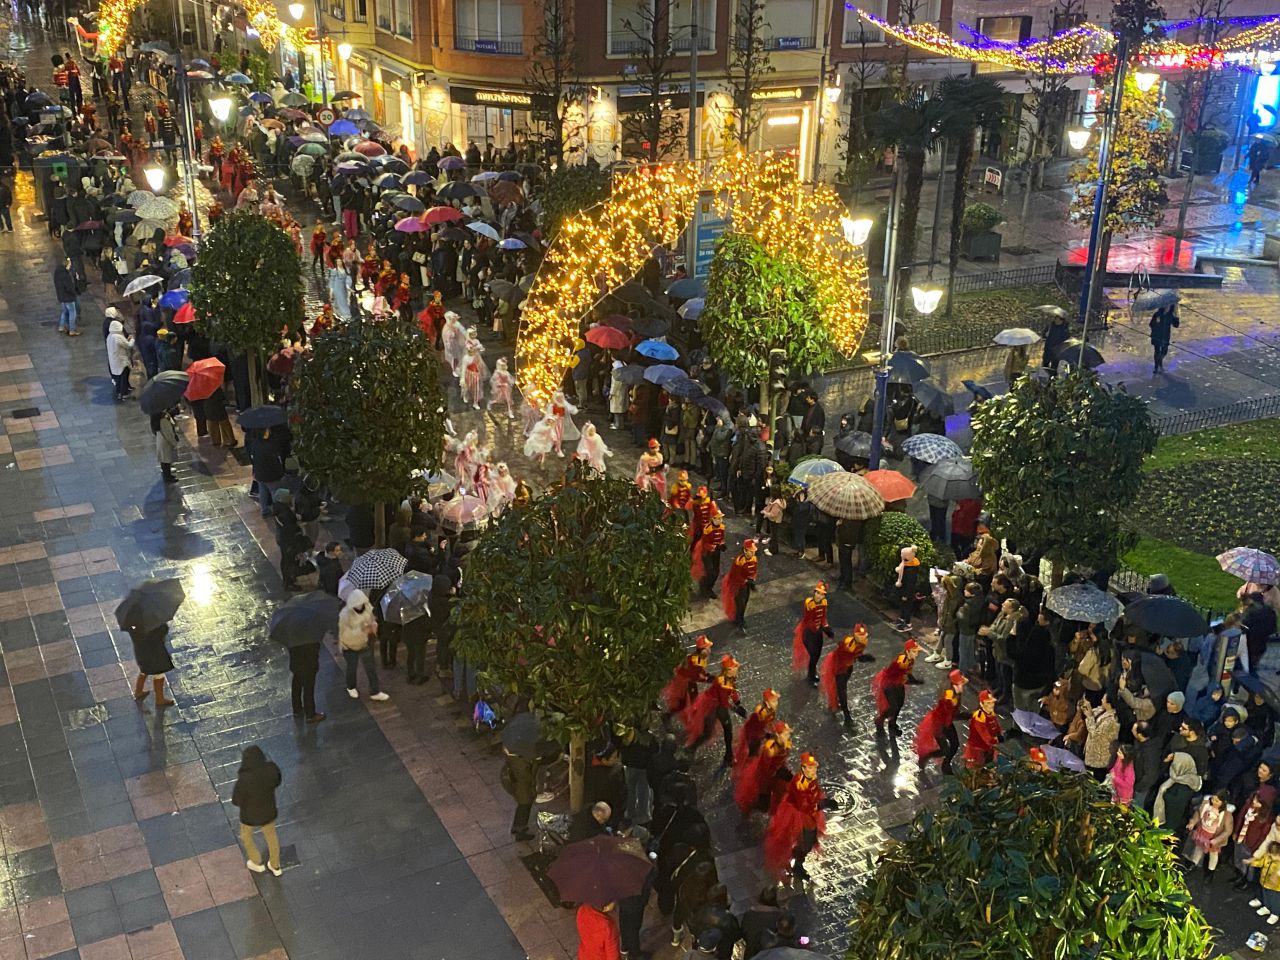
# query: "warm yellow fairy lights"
{"points": [[113, 24], [598, 251]]}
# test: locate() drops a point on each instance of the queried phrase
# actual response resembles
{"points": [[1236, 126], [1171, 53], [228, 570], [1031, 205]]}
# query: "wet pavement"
{"points": [[116, 834]]}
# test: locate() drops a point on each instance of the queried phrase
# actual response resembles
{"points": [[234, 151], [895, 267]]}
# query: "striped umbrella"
{"points": [[1250, 565], [806, 471], [931, 448], [845, 496], [890, 484]]}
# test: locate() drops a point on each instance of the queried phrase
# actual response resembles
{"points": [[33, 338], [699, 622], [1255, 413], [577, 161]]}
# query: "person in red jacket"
{"points": [[936, 735], [319, 237], [755, 727], [889, 687], [758, 784], [806, 642], [683, 688], [797, 823], [705, 568], [837, 668], [369, 271], [680, 493], [598, 933], [714, 703], [700, 513], [984, 732], [738, 584]]}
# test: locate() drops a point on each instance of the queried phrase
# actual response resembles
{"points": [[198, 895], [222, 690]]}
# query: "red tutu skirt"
{"points": [[785, 827], [753, 778], [697, 715]]}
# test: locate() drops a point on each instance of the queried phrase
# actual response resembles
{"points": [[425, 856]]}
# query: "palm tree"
{"points": [[913, 128], [967, 104]]}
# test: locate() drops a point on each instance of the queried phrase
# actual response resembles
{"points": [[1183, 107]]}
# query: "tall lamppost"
{"points": [[188, 126]]}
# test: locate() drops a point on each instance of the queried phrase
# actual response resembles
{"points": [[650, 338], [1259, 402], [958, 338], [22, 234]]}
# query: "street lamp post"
{"points": [[188, 126]]}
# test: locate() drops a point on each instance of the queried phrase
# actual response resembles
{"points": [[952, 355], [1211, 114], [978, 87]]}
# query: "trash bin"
{"points": [[52, 169]]}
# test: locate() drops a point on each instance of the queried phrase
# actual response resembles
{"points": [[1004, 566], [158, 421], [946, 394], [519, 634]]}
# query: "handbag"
{"points": [[419, 258]]}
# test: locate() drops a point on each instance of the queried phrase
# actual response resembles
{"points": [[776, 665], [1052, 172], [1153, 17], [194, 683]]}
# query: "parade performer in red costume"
{"points": [[714, 703], [755, 727], [936, 736], [700, 513], [369, 268], [758, 784], [806, 642], [797, 823], [706, 553], [738, 584], [682, 689], [984, 732], [319, 237], [680, 493], [889, 687], [837, 668]]}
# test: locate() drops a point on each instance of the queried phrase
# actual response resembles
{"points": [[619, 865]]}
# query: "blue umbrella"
{"points": [[687, 288], [247, 111], [174, 299], [155, 46], [511, 176], [806, 471], [713, 406], [692, 309], [239, 78], [656, 349], [259, 97], [416, 178], [343, 128], [662, 372], [511, 243], [198, 63], [387, 181]]}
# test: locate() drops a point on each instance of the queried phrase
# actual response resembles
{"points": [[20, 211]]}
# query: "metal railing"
{"points": [[488, 45], [1242, 411], [683, 44], [790, 43], [1045, 273], [627, 46], [853, 38], [1127, 580]]}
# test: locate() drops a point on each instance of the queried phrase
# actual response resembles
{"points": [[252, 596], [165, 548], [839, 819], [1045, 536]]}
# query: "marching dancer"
{"points": [[683, 688], [806, 643], [755, 727], [889, 687], [714, 703], [838, 667], [984, 732], [936, 735], [797, 824], [759, 781], [738, 584]]}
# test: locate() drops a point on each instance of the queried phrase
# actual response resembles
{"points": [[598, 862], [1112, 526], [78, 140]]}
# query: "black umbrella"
{"points": [[504, 290], [651, 327], [402, 201], [122, 216], [1069, 352], [454, 235], [855, 443], [684, 387], [262, 417], [907, 367], [1167, 617], [150, 605], [457, 191], [163, 391], [521, 735], [632, 374], [934, 400], [304, 620], [632, 292], [390, 164], [978, 390], [686, 288], [510, 175]]}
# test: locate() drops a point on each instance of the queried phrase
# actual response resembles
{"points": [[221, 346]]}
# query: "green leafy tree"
{"points": [[573, 602], [568, 192], [1059, 461], [246, 287], [758, 302], [1016, 864], [372, 411]]}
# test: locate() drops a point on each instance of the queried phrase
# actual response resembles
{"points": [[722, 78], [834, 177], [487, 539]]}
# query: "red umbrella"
{"points": [[600, 870], [890, 484], [177, 240], [618, 320], [442, 215], [185, 313], [369, 149], [206, 377], [608, 338]]}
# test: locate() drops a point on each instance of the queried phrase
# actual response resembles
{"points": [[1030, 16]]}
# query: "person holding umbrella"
{"points": [[145, 614], [1162, 323], [165, 428], [299, 625]]}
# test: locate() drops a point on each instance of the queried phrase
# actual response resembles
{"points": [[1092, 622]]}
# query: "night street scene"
{"points": [[639, 480]]}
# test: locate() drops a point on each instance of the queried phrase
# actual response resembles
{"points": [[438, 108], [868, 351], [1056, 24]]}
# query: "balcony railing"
{"points": [[627, 46], [790, 43], [489, 45], [854, 37], [682, 44]]}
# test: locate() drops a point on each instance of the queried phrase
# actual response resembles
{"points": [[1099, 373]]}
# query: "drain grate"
{"points": [[24, 413]]}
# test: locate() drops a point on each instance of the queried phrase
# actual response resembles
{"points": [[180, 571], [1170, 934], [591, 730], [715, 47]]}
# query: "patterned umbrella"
{"points": [[205, 377], [952, 480], [890, 484], [931, 448], [804, 472], [464, 510], [1086, 603], [1250, 565], [684, 387], [375, 569], [845, 496]]}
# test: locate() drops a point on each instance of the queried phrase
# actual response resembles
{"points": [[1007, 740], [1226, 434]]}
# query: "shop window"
{"points": [[858, 31], [629, 20], [488, 26], [682, 20], [788, 24]]}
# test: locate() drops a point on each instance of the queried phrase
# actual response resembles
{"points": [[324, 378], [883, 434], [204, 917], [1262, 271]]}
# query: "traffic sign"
{"points": [[325, 116]]}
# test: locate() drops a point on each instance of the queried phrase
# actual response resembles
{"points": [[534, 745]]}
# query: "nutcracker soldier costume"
{"points": [[738, 584], [889, 687], [806, 643], [714, 703], [936, 735], [755, 727], [706, 554], [700, 512], [759, 782], [984, 732], [797, 823], [683, 688], [680, 493], [838, 667]]}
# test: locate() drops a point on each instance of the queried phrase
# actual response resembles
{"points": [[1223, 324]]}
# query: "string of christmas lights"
{"points": [[114, 15], [598, 250]]}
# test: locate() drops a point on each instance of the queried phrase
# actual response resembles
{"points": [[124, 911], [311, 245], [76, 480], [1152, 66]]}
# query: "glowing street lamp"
{"points": [[296, 10], [155, 177], [344, 51], [1078, 137], [856, 231], [221, 107], [926, 299], [1145, 79]]}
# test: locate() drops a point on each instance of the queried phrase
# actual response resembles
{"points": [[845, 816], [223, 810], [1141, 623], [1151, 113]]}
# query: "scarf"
{"points": [[1182, 770]]}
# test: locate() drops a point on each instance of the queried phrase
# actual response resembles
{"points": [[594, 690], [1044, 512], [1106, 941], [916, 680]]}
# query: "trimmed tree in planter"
{"points": [[887, 534], [1059, 462], [372, 411], [1014, 863], [757, 302], [573, 602], [977, 231], [246, 288]]}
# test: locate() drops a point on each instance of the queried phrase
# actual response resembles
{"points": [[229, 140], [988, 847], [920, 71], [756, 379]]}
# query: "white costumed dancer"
{"points": [[473, 372], [502, 386], [542, 440], [464, 458], [591, 447], [503, 489], [454, 340], [561, 411]]}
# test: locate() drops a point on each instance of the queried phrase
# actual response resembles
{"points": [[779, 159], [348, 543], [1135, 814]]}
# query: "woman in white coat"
{"points": [[356, 627], [119, 351], [166, 430], [619, 396]]}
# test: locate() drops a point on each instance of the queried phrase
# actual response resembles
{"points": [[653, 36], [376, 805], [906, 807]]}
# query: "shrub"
{"points": [[886, 539], [979, 218]]}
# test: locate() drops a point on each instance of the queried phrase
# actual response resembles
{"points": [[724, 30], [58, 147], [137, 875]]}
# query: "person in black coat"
{"points": [[715, 915], [1032, 663], [153, 660], [1055, 335], [1162, 323], [267, 451], [304, 664], [1259, 625], [1148, 765], [255, 796], [759, 919]]}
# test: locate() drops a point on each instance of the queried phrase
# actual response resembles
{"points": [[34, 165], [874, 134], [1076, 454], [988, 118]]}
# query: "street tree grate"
{"points": [[24, 413]]}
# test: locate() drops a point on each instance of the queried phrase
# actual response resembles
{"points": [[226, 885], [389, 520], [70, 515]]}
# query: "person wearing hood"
{"points": [[1253, 824], [1219, 735], [1173, 799], [119, 348], [1148, 765], [1166, 722], [1261, 719], [1208, 704], [254, 795], [1234, 766], [356, 626], [1055, 334]]}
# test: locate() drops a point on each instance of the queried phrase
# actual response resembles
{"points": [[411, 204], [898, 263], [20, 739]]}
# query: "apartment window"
{"points": [[788, 24], [858, 31], [1006, 29], [682, 20], [488, 26], [337, 10], [1065, 21], [396, 16], [629, 23], [360, 11], [919, 11]]}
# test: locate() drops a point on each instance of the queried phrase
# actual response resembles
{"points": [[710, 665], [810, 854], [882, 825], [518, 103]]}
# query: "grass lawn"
{"points": [[1206, 492]]}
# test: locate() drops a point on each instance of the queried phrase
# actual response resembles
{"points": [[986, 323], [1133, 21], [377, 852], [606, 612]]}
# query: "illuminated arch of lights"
{"points": [[597, 251], [113, 24]]}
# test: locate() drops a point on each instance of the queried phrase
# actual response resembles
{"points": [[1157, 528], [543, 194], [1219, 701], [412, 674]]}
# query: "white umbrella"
{"points": [[139, 197], [1155, 299], [485, 176], [1053, 310], [158, 208], [138, 284], [1016, 337], [691, 309], [484, 230]]}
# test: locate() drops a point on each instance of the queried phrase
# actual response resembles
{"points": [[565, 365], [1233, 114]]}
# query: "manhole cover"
{"points": [[24, 413], [847, 801]]}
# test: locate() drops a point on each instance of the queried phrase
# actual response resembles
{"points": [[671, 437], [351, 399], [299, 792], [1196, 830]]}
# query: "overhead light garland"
{"points": [[600, 249]]}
